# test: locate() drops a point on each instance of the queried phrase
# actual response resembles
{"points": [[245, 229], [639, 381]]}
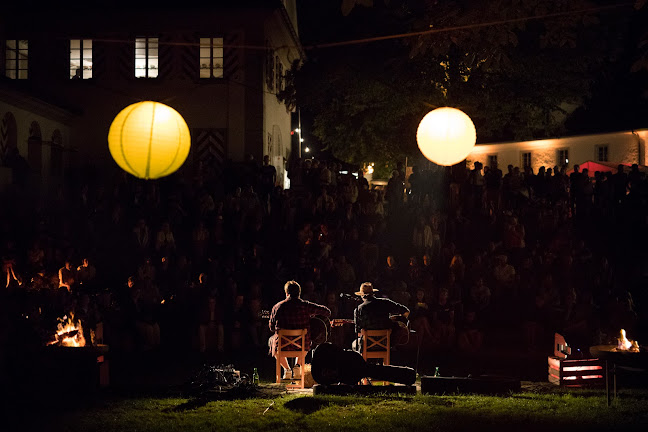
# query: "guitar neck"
{"points": [[341, 321]]}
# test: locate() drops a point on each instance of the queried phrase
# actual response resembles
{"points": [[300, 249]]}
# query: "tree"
{"points": [[516, 67]]}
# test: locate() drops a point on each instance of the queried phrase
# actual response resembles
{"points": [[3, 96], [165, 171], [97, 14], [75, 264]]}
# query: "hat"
{"points": [[366, 289]]}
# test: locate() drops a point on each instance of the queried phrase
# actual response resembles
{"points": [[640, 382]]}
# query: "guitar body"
{"points": [[400, 330], [320, 329]]}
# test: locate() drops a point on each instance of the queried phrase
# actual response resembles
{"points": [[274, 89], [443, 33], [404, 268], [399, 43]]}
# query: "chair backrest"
{"points": [[376, 340], [292, 339]]}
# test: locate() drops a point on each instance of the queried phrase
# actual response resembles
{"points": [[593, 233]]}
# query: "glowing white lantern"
{"points": [[446, 136], [149, 140]]}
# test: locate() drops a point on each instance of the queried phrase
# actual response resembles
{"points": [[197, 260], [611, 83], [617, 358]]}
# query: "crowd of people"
{"points": [[195, 263]]}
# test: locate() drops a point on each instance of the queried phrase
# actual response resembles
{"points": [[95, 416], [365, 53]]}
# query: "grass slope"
{"points": [[585, 411]]}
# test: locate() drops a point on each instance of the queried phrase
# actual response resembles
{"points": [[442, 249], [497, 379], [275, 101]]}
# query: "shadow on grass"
{"points": [[201, 401], [191, 404], [307, 405], [311, 404]]}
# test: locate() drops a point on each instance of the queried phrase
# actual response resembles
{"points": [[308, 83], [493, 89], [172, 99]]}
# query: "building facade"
{"points": [[221, 67], [627, 147]]}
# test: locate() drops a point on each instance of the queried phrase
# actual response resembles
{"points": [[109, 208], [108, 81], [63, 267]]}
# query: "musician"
{"points": [[292, 313], [376, 313]]}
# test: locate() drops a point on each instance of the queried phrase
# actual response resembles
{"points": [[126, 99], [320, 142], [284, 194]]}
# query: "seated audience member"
{"points": [[536, 323], [480, 295], [421, 315], [147, 300], [66, 276], [470, 337], [310, 294], [86, 273], [400, 294], [211, 333], [443, 318]]}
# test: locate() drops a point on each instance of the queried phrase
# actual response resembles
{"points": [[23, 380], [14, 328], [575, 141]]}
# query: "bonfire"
{"points": [[69, 333]]}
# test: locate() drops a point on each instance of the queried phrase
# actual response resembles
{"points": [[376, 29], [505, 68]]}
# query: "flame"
{"points": [[625, 344], [69, 333]]}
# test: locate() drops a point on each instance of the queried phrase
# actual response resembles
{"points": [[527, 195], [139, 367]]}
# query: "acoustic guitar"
{"points": [[319, 326]]}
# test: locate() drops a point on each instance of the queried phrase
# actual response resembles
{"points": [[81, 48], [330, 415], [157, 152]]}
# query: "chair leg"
{"points": [[278, 371]]}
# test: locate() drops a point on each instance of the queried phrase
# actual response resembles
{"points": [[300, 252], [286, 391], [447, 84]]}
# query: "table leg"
{"points": [[607, 383], [614, 373]]}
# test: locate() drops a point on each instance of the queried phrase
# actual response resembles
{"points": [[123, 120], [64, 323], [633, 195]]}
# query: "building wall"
{"points": [[24, 118], [277, 118], [234, 110], [623, 147]]}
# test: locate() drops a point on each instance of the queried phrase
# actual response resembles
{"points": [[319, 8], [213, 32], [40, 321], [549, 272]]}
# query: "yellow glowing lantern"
{"points": [[149, 140], [446, 136]]}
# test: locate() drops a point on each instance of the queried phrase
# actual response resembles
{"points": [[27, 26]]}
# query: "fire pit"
{"points": [[626, 355], [70, 360]]}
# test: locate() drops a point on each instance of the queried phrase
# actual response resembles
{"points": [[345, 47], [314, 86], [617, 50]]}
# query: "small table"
{"points": [[628, 360]]}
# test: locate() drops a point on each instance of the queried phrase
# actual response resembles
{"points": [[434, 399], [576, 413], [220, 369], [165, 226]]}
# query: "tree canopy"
{"points": [[516, 67]]}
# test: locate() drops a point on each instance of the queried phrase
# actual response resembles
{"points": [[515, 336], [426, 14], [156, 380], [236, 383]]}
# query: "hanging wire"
{"points": [[399, 35]]}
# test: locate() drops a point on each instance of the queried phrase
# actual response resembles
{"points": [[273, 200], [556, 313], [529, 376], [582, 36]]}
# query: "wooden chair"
{"points": [[291, 344], [376, 344]]}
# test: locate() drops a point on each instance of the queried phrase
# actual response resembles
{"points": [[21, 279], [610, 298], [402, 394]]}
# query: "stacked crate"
{"points": [[573, 372]]}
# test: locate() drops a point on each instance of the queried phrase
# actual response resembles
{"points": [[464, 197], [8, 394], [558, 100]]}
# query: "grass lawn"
{"points": [[529, 411]]}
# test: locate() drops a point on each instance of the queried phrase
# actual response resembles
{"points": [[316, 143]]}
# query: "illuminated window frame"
{"points": [[146, 57], [563, 157], [602, 153], [527, 159], [17, 58], [211, 57], [80, 58]]}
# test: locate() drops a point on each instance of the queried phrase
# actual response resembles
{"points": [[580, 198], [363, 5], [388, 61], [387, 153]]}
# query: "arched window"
{"points": [[8, 135]]}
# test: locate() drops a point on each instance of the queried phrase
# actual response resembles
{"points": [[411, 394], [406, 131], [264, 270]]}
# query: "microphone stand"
{"points": [[357, 300]]}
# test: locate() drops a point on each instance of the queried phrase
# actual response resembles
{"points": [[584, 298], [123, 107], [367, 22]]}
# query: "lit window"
{"points": [[526, 159], [16, 59], [211, 57], [602, 153], [279, 75], [563, 157], [146, 57], [80, 58]]}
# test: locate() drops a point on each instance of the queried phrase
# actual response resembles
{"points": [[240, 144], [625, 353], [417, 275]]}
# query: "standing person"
{"points": [[377, 313], [477, 183], [267, 180], [576, 186], [416, 184], [394, 194], [292, 313]]}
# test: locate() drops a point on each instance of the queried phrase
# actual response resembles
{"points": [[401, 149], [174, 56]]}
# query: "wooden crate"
{"points": [[576, 373]]}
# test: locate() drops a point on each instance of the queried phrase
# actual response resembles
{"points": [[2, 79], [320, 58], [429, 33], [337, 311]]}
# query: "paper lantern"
{"points": [[446, 136], [149, 140]]}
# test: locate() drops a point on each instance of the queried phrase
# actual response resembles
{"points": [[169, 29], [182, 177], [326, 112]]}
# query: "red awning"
{"points": [[592, 167]]}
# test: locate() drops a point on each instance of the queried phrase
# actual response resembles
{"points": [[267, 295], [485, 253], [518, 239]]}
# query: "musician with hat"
{"points": [[376, 313]]}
